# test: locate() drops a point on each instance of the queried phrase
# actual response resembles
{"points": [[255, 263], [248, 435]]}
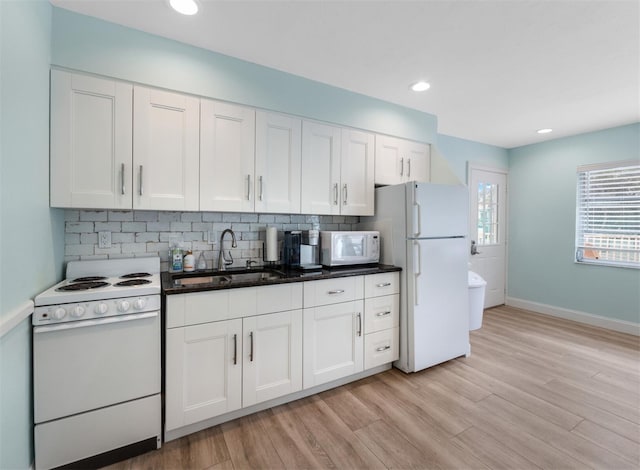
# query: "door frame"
{"points": [[503, 171]]}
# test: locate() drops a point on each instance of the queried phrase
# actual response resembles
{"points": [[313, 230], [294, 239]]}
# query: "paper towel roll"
{"points": [[272, 244]]}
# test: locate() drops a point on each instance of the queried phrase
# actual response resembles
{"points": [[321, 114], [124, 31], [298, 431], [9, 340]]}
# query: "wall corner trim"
{"points": [[621, 326], [15, 317]]}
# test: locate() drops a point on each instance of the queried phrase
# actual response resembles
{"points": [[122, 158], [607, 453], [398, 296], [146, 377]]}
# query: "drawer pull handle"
{"points": [[383, 314], [235, 349], [383, 284], [337, 291], [383, 348], [251, 349], [359, 324]]}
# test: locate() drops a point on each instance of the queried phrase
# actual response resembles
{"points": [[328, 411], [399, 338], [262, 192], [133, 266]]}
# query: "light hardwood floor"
{"points": [[537, 392]]}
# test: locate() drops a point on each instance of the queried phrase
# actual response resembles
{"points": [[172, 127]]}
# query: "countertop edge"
{"points": [[289, 277]]}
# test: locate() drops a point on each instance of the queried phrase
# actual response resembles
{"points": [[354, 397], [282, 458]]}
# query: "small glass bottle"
{"points": [[202, 263]]}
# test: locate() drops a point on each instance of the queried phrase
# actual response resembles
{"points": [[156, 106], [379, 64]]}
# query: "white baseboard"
{"points": [[15, 317], [622, 326]]}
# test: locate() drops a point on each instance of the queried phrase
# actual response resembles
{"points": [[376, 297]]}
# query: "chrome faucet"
{"points": [[223, 262]]}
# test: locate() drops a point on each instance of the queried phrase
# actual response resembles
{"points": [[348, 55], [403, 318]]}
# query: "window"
{"points": [[608, 214], [488, 214]]}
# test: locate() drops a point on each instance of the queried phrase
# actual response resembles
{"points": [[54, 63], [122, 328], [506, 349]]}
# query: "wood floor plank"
{"points": [[295, 444], [575, 446], [390, 446], [491, 451], [351, 410], [613, 442], [332, 434], [248, 443]]}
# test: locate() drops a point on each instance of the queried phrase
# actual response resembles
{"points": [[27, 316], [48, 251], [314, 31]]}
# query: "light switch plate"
{"points": [[104, 239]]}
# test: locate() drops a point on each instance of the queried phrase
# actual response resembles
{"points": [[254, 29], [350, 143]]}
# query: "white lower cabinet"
{"points": [[219, 366], [235, 348]]}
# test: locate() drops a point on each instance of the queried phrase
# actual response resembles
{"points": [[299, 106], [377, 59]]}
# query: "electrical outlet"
{"points": [[104, 239]]}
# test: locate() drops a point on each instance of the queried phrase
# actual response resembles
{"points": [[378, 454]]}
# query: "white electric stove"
{"points": [[96, 364]]}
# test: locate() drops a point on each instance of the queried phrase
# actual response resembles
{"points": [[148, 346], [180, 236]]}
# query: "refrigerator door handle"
{"points": [[416, 218], [417, 258]]}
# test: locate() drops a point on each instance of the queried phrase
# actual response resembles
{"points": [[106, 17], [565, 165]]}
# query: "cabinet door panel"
{"points": [[320, 168], [227, 157], [202, 380], [91, 138], [389, 166], [278, 163], [272, 356], [357, 168], [333, 342], [418, 162], [165, 150]]}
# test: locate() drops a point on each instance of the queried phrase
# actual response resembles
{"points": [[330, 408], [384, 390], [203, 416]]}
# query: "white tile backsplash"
{"points": [[149, 233]]}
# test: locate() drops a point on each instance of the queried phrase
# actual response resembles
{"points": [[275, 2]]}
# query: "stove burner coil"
{"points": [[132, 275], [133, 282], [83, 286], [89, 279]]}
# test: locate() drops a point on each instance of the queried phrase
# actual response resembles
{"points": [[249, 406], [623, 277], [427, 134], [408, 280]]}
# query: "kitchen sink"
{"points": [[226, 278]]}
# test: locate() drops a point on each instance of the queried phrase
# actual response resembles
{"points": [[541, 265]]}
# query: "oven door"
{"points": [[85, 365]]}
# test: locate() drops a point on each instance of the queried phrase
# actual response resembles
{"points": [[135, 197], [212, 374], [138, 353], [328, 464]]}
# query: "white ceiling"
{"points": [[499, 70]]}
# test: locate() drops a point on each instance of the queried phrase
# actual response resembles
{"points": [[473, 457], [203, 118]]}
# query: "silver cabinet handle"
{"points": [[337, 291], [335, 194], [251, 347], [248, 187], [383, 284], [408, 167], [260, 181], [383, 348], [344, 189], [141, 186], [401, 166], [383, 314], [124, 189], [235, 349], [359, 324]]}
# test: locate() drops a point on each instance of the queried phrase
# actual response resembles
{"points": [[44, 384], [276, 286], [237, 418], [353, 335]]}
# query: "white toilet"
{"points": [[477, 286]]}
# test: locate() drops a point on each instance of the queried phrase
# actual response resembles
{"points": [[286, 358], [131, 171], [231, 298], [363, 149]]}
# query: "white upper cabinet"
{"points": [[398, 161], [91, 139], [337, 170], [165, 150], [356, 173], [227, 147], [321, 149], [277, 163]]}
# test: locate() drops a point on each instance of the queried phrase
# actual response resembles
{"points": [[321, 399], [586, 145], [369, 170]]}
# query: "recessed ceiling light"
{"points": [[186, 7], [544, 131], [420, 86]]}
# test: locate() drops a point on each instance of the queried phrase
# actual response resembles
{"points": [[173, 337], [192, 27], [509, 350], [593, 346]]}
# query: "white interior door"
{"points": [[487, 228]]}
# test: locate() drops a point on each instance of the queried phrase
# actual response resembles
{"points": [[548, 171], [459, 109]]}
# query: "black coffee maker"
{"points": [[291, 248]]}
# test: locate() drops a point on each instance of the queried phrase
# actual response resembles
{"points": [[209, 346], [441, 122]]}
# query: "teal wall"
{"points": [[89, 44], [458, 152], [542, 205], [31, 235]]}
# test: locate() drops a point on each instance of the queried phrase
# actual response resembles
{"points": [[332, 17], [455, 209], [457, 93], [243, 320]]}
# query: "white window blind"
{"points": [[608, 214]]}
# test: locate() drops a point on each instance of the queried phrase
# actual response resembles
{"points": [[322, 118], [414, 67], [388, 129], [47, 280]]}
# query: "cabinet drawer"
{"points": [[381, 313], [332, 291], [278, 298], [376, 285], [381, 347]]}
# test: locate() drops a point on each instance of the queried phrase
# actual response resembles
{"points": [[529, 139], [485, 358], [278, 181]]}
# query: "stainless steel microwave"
{"points": [[344, 248]]}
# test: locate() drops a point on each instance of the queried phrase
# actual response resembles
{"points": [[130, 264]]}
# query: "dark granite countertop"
{"points": [[198, 281]]}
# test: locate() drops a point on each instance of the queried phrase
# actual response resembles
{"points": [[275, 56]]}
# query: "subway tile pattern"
{"points": [[149, 233]]}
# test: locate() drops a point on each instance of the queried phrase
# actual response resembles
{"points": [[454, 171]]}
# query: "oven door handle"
{"points": [[99, 321]]}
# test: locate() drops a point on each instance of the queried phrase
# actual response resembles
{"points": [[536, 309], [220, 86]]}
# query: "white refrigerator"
{"points": [[423, 230]]}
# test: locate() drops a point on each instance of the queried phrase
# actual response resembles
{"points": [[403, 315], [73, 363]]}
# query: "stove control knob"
{"points": [[139, 304], [59, 313], [124, 305], [77, 311], [101, 308]]}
